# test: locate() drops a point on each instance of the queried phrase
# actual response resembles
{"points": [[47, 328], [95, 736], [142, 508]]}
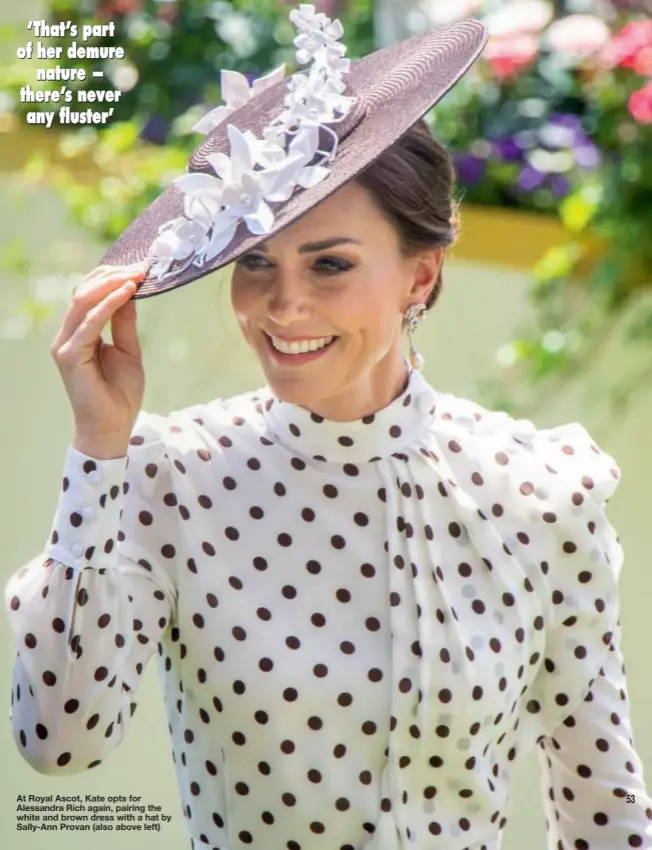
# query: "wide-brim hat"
{"points": [[390, 90]]}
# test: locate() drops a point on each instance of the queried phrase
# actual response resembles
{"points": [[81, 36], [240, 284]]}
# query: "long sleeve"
{"points": [[88, 614], [592, 778], [594, 789]]}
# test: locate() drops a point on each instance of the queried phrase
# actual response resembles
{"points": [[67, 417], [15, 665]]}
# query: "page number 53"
{"points": [[631, 798]]}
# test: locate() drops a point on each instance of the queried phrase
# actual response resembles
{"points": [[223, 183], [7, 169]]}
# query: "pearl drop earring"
{"points": [[413, 315]]}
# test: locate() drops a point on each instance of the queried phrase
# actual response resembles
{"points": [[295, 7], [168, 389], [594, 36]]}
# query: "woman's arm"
{"points": [[594, 789], [89, 613]]}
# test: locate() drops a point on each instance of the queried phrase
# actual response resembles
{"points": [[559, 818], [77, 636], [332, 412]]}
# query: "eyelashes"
{"points": [[329, 265]]}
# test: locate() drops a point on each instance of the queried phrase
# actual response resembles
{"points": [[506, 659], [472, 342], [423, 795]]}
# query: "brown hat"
{"points": [[289, 143]]}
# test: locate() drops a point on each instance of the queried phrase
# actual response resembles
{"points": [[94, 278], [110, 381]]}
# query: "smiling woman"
{"points": [[343, 311], [323, 302]]}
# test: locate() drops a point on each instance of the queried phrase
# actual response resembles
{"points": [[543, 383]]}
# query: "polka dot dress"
{"points": [[359, 627]]}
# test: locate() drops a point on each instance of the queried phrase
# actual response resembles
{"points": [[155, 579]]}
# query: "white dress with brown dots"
{"points": [[359, 627]]}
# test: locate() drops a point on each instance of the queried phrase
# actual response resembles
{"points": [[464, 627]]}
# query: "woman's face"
{"points": [[334, 282]]}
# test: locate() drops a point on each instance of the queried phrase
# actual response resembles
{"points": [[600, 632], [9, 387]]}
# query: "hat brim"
{"points": [[396, 86]]}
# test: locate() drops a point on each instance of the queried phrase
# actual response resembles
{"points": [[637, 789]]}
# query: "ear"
{"points": [[425, 271]]}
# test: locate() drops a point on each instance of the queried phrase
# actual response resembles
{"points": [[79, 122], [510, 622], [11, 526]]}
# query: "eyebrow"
{"points": [[310, 247]]}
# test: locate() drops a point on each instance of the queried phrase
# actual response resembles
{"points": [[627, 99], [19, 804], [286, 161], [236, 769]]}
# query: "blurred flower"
{"points": [[167, 11], [519, 16], [448, 11], [507, 149], [587, 155], [155, 130], [507, 56], [124, 76], [640, 104], [560, 186], [470, 169], [643, 62], [578, 36], [625, 47], [109, 8], [530, 179]]}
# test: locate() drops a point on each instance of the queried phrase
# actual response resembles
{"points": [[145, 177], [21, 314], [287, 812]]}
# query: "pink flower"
{"points": [[643, 62], [623, 50], [578, 35], [507, 56], [640, 105]]}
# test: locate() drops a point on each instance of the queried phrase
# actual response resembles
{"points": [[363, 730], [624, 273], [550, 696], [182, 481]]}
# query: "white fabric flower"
{"points": [[236, 93], [177, 240], [258, 172], [306, 19], [311, 43]]}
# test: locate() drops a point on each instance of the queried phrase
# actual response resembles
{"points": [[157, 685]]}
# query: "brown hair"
{"points": [[412, 183]]}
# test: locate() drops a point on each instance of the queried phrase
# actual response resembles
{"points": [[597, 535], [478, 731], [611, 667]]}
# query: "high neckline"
{"points": [[387, 432]]}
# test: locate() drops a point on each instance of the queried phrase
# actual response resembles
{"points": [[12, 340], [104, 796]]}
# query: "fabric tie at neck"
{"points": [[387, 432]]}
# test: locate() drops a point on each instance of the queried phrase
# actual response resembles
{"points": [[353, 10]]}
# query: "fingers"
{"points": [[102, 271], [124, 330], [80, 347], [96, 286]]}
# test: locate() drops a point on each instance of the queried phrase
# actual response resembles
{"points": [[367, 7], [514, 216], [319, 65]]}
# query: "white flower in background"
{"points": [[235, 93], [578, 36], [518, 17], [258, 172], [441, 12]]}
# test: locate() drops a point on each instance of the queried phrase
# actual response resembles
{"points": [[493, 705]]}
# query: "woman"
{"points": [[368, 598]]}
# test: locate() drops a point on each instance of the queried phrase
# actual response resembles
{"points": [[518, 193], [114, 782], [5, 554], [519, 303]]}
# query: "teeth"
{"points": [[300, 346]]}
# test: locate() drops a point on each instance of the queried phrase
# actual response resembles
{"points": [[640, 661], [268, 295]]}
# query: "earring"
{"points": [[413, 315]]}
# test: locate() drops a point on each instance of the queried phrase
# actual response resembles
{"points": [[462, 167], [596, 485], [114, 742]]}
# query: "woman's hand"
{"points": [[105, 383]]}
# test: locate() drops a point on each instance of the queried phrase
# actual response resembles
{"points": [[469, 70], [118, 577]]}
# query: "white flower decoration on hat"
{"points": [[236, 92], [260, 171]]}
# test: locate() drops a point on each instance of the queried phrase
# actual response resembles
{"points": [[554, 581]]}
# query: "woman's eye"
{"points": [[249, 261], [327, 265], [335, 265]]}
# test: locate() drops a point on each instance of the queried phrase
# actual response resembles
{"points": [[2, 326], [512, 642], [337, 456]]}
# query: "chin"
{"points": [[296, 390]]}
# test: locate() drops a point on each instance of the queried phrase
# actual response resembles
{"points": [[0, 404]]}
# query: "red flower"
{"points": [[507, 56], [640, 105], [109, 8], [626, 46]]}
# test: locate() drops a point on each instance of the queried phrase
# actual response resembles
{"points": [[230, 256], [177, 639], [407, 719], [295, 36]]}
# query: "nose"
{"points": [[287, 301]]}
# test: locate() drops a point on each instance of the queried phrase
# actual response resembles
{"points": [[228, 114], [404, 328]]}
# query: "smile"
{"points": [[300, 346], [296, 352]]}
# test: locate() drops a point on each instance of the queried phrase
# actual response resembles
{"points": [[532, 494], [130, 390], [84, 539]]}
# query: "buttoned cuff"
{"points": [[87, 519]]}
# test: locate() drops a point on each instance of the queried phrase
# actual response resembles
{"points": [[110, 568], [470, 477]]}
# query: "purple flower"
{"points": [[560, 186], [587, 155], [530, 179], [507, 149], [470, 169], [155, 129], [561, 119]]}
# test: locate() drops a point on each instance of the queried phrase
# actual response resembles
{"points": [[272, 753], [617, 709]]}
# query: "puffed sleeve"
{"points": [[87, 614], [593, 784]]}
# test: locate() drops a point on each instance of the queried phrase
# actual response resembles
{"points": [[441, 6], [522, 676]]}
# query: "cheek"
{"points": [[244, 299]]}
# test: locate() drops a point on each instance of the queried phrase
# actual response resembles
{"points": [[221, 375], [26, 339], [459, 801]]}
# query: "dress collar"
{"points": [[395, 428]]}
